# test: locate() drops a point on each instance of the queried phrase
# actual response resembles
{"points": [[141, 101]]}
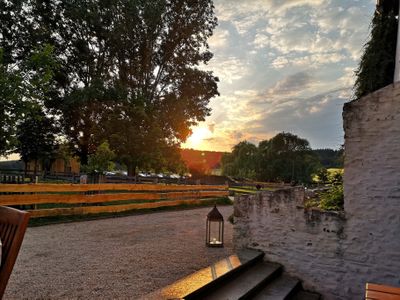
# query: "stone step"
{"points": [[303, 295], [279, 289], [247, 284], [195, 285]]}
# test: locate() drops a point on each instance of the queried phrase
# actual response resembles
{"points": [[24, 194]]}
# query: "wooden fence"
{"points": [[77, 199]]}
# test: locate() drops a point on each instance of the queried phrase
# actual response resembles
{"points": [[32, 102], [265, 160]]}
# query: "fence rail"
{"points": [[104, 198]]}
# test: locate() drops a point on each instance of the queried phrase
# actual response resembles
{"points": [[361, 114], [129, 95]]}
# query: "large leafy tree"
{"points": [[10, 105], [23, 88], [285, 157], [130, 71], [288, 158], [12, 89], [376, 68], [164, 91], [242, 161], [36, 138]]}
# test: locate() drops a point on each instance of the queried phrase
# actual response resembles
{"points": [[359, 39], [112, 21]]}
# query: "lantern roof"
{"points": [[215, 215]]}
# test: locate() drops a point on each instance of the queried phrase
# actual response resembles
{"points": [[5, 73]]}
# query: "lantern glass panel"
{"points": [[215, 233]]}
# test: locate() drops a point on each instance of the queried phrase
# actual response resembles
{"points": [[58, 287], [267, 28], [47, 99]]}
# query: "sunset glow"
{"points": [[197, 138], [283, 66]]}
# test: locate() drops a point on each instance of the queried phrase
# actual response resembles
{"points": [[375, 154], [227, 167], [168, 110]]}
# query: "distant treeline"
{"points": [[283, 158], [330, 158]]}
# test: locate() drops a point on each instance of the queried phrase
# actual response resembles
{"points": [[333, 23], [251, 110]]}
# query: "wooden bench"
{"points": [[381, 292], [13, 224]]}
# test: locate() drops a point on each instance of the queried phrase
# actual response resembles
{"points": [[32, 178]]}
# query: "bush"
{"points": [[333, 199], [101, 160]]}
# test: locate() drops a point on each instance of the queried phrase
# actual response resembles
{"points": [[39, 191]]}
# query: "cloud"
{"points": [[211, 127], [219, 39], [310, 117], [236, 135], [348, 77], [311, 60], [229, 69], [284, 65], [291, 84], [318, 33]]}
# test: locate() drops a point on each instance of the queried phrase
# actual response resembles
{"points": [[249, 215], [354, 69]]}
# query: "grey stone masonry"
{"points": [[337, 253]]}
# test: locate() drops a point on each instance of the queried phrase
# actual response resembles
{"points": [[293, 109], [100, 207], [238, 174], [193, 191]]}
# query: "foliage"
{"points": [[288, 158], [129, 71], [36, 138], [101, 160], [376, 68], [333, 199], [322, 175], [285, 157], [23, 88], [336, 177], [10, 105], [330, 158], [241, 162]]}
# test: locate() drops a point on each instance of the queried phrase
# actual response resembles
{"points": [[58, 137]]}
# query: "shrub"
{"points": [[333, 199]]}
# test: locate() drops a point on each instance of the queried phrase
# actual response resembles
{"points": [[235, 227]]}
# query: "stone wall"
{"points": [[337, 253]]}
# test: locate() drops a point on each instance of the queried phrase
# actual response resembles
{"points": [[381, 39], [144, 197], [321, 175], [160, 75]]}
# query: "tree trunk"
{"points": [[35, 169], [26, 167], [131, 170], [83, 155]]}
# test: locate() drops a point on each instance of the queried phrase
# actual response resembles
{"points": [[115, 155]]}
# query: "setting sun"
{"points": [[198, 136]]}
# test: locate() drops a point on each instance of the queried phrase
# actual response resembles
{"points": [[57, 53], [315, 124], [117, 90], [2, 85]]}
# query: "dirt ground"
{"points": [[125, 257]]}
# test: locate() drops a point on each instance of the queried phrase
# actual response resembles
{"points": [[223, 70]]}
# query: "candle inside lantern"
{"points": [[215, 242]]}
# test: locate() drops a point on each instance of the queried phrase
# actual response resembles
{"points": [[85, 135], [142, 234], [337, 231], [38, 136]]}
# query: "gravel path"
{"points": [[124, 257]]}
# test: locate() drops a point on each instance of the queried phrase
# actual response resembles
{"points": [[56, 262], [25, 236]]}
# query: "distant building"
{"points": [[71, 165], [202, 162], [59, 165]]}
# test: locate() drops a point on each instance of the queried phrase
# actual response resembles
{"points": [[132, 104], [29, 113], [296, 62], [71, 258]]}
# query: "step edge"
{"points": [[263, 283], [294, 288], [298, 287], [200, 292]]}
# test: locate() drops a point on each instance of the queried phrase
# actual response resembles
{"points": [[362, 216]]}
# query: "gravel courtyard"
{"points": [[124, 257]]}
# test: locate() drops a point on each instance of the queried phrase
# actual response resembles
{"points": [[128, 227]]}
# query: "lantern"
{"points": [[215, 228]]}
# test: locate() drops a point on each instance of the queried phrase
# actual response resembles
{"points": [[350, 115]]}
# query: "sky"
{"points": [[283, 66]]}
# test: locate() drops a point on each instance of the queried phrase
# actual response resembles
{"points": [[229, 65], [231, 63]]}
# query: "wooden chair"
{"points": [[13, 224], [381, 292]]}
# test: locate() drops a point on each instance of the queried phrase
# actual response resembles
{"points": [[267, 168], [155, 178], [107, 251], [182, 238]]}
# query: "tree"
{"points": [[36, 136], [129, 70], [330, 158], [241, 162], [288, 158], [285, 157], [10, 105], [376, 68], [23, 89], [100, 161]]}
